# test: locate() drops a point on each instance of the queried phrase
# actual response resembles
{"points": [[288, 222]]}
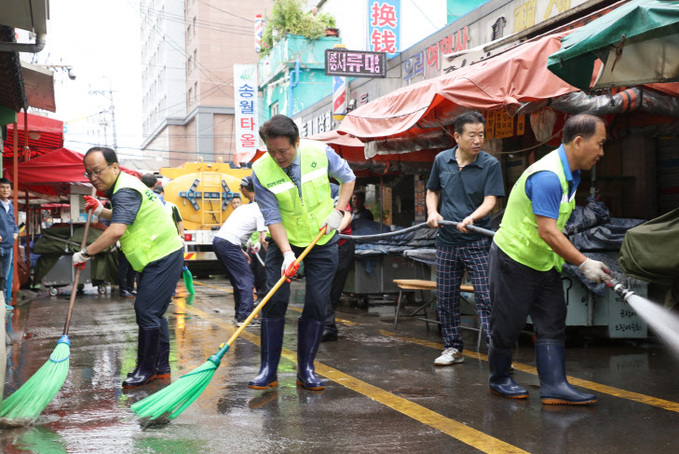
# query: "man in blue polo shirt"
{"points": [[525, 264], [467, 182]]}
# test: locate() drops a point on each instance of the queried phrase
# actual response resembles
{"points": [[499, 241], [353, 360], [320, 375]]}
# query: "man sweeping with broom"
{"points": [[149, 240], [292, 184]]}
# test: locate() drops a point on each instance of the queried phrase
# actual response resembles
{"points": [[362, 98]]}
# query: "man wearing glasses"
{"points": [[149, 240]]}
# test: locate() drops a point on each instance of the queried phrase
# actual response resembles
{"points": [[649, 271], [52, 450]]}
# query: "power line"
{"points": [[226, 12]]}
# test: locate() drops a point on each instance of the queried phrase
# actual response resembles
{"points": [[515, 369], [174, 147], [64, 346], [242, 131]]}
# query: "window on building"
{"points": [[189, 66], [195, 90], [194, 25], [274, 109], [189, 97], [195, 58]]}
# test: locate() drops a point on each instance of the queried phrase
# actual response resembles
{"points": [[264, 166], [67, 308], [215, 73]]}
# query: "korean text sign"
{"points": [[353, 63], [245, 94]]}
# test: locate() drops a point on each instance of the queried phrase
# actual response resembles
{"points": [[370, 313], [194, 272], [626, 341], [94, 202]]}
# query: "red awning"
{"points": [[505, 81], [44, 135], [53, 173]]}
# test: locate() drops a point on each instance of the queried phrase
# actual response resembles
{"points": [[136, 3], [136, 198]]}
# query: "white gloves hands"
{"points": [[93, 204], [255, 246], [289, 269], [595, 271], [333, 221], [79, 259]]}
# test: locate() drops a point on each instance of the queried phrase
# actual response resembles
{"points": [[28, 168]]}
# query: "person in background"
{"points": [[228, 246], [526, 258], [359, 211], [150, 242], [345, 254], [292, 183], [467, 182], [236, 201], [9, 232]]}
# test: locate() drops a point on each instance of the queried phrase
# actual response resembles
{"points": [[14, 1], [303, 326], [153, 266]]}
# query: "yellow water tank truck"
{"points": [[203, 192]]}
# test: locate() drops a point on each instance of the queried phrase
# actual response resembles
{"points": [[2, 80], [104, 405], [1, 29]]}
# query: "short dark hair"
{"points": [[583, 125], [4, 180], [279, 126], [247, 183], [108, 153], [149, 180], [159, 190], [468, 118], [360, 195], [235, 196]]}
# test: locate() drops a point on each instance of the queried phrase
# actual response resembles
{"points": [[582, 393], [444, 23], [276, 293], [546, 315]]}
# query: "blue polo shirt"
{"points": [[543, 189], [463, 191]]}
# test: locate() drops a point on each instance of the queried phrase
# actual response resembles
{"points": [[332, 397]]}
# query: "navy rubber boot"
{"points": [[309, 333], [163, 362], [550, 356], [147, 355], [272, 344], [500, 383]]}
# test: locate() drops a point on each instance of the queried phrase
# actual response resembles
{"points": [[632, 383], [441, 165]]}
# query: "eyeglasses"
{"points": [[95, 173]]}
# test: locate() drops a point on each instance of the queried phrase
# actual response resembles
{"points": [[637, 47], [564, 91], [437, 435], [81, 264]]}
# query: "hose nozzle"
{"points": [[620, 289]]}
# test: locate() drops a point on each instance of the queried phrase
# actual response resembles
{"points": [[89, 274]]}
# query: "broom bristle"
{"points": [[27, 402], [173, 400]]}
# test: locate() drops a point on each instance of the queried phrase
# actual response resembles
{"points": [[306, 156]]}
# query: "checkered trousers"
{"points": [[450, 265]]}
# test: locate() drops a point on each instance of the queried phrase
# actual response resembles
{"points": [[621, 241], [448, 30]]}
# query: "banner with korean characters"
{"points": [[245, 102]]}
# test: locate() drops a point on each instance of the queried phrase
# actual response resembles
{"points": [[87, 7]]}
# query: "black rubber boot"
{"points": [[550, 356], [272, 343], [309, 334], [163, 362], [501, 384], [147, 355]]}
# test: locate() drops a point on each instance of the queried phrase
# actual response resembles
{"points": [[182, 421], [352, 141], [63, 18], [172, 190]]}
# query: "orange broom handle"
{"points": [[76, 278]]}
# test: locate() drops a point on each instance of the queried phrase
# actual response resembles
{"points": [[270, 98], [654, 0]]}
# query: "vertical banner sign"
{"points": [[259, 31], [384, 26], [339, 98], [245, 100]]}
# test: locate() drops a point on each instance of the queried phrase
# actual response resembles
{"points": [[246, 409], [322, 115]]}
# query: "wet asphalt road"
{"points": [[383, 394]]}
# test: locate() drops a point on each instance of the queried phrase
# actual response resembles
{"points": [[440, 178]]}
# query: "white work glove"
{"points": [[289, 268], [93, 204], [79, 259], [595, 271], [333, 221], [255, 246]]}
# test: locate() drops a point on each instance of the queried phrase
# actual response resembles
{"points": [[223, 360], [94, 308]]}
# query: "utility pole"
{"points": [[109, 95]]}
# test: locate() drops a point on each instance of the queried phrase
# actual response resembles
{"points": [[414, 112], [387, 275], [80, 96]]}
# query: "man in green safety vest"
{"points": [[292, 187], [525, 263], [149, 239]]}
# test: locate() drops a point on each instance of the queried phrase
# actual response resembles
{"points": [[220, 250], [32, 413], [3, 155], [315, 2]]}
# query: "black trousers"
{"points": [[319, 268], [517, 291], [345, 253]]}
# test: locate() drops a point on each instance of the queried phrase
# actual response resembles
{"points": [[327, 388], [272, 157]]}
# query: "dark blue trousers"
{"points": [[239, 273], [319, 269], [156, 284]]}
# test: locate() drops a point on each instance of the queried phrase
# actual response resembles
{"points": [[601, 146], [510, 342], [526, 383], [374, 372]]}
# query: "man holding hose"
{"points": [[525, 264], [149, 239], [292, 185]]}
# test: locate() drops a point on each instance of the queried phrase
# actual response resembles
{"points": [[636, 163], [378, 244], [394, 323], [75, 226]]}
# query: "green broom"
{"points": [[188, 280], [27, 402], [170, 402]]}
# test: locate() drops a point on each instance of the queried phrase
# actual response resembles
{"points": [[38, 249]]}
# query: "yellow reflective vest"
{"points": [[153, 235], [302, 217]]}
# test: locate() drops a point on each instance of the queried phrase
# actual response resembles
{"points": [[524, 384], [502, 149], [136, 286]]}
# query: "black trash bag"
{"points": [[583, 218]]}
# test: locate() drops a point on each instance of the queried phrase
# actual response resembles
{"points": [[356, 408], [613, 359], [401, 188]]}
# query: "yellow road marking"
{"points": [[455, 429], [598, 387]]}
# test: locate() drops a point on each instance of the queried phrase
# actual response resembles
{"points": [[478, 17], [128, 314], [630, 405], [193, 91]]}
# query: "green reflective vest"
{"points": [[518, 234], [302, 217], [153, 234]]}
